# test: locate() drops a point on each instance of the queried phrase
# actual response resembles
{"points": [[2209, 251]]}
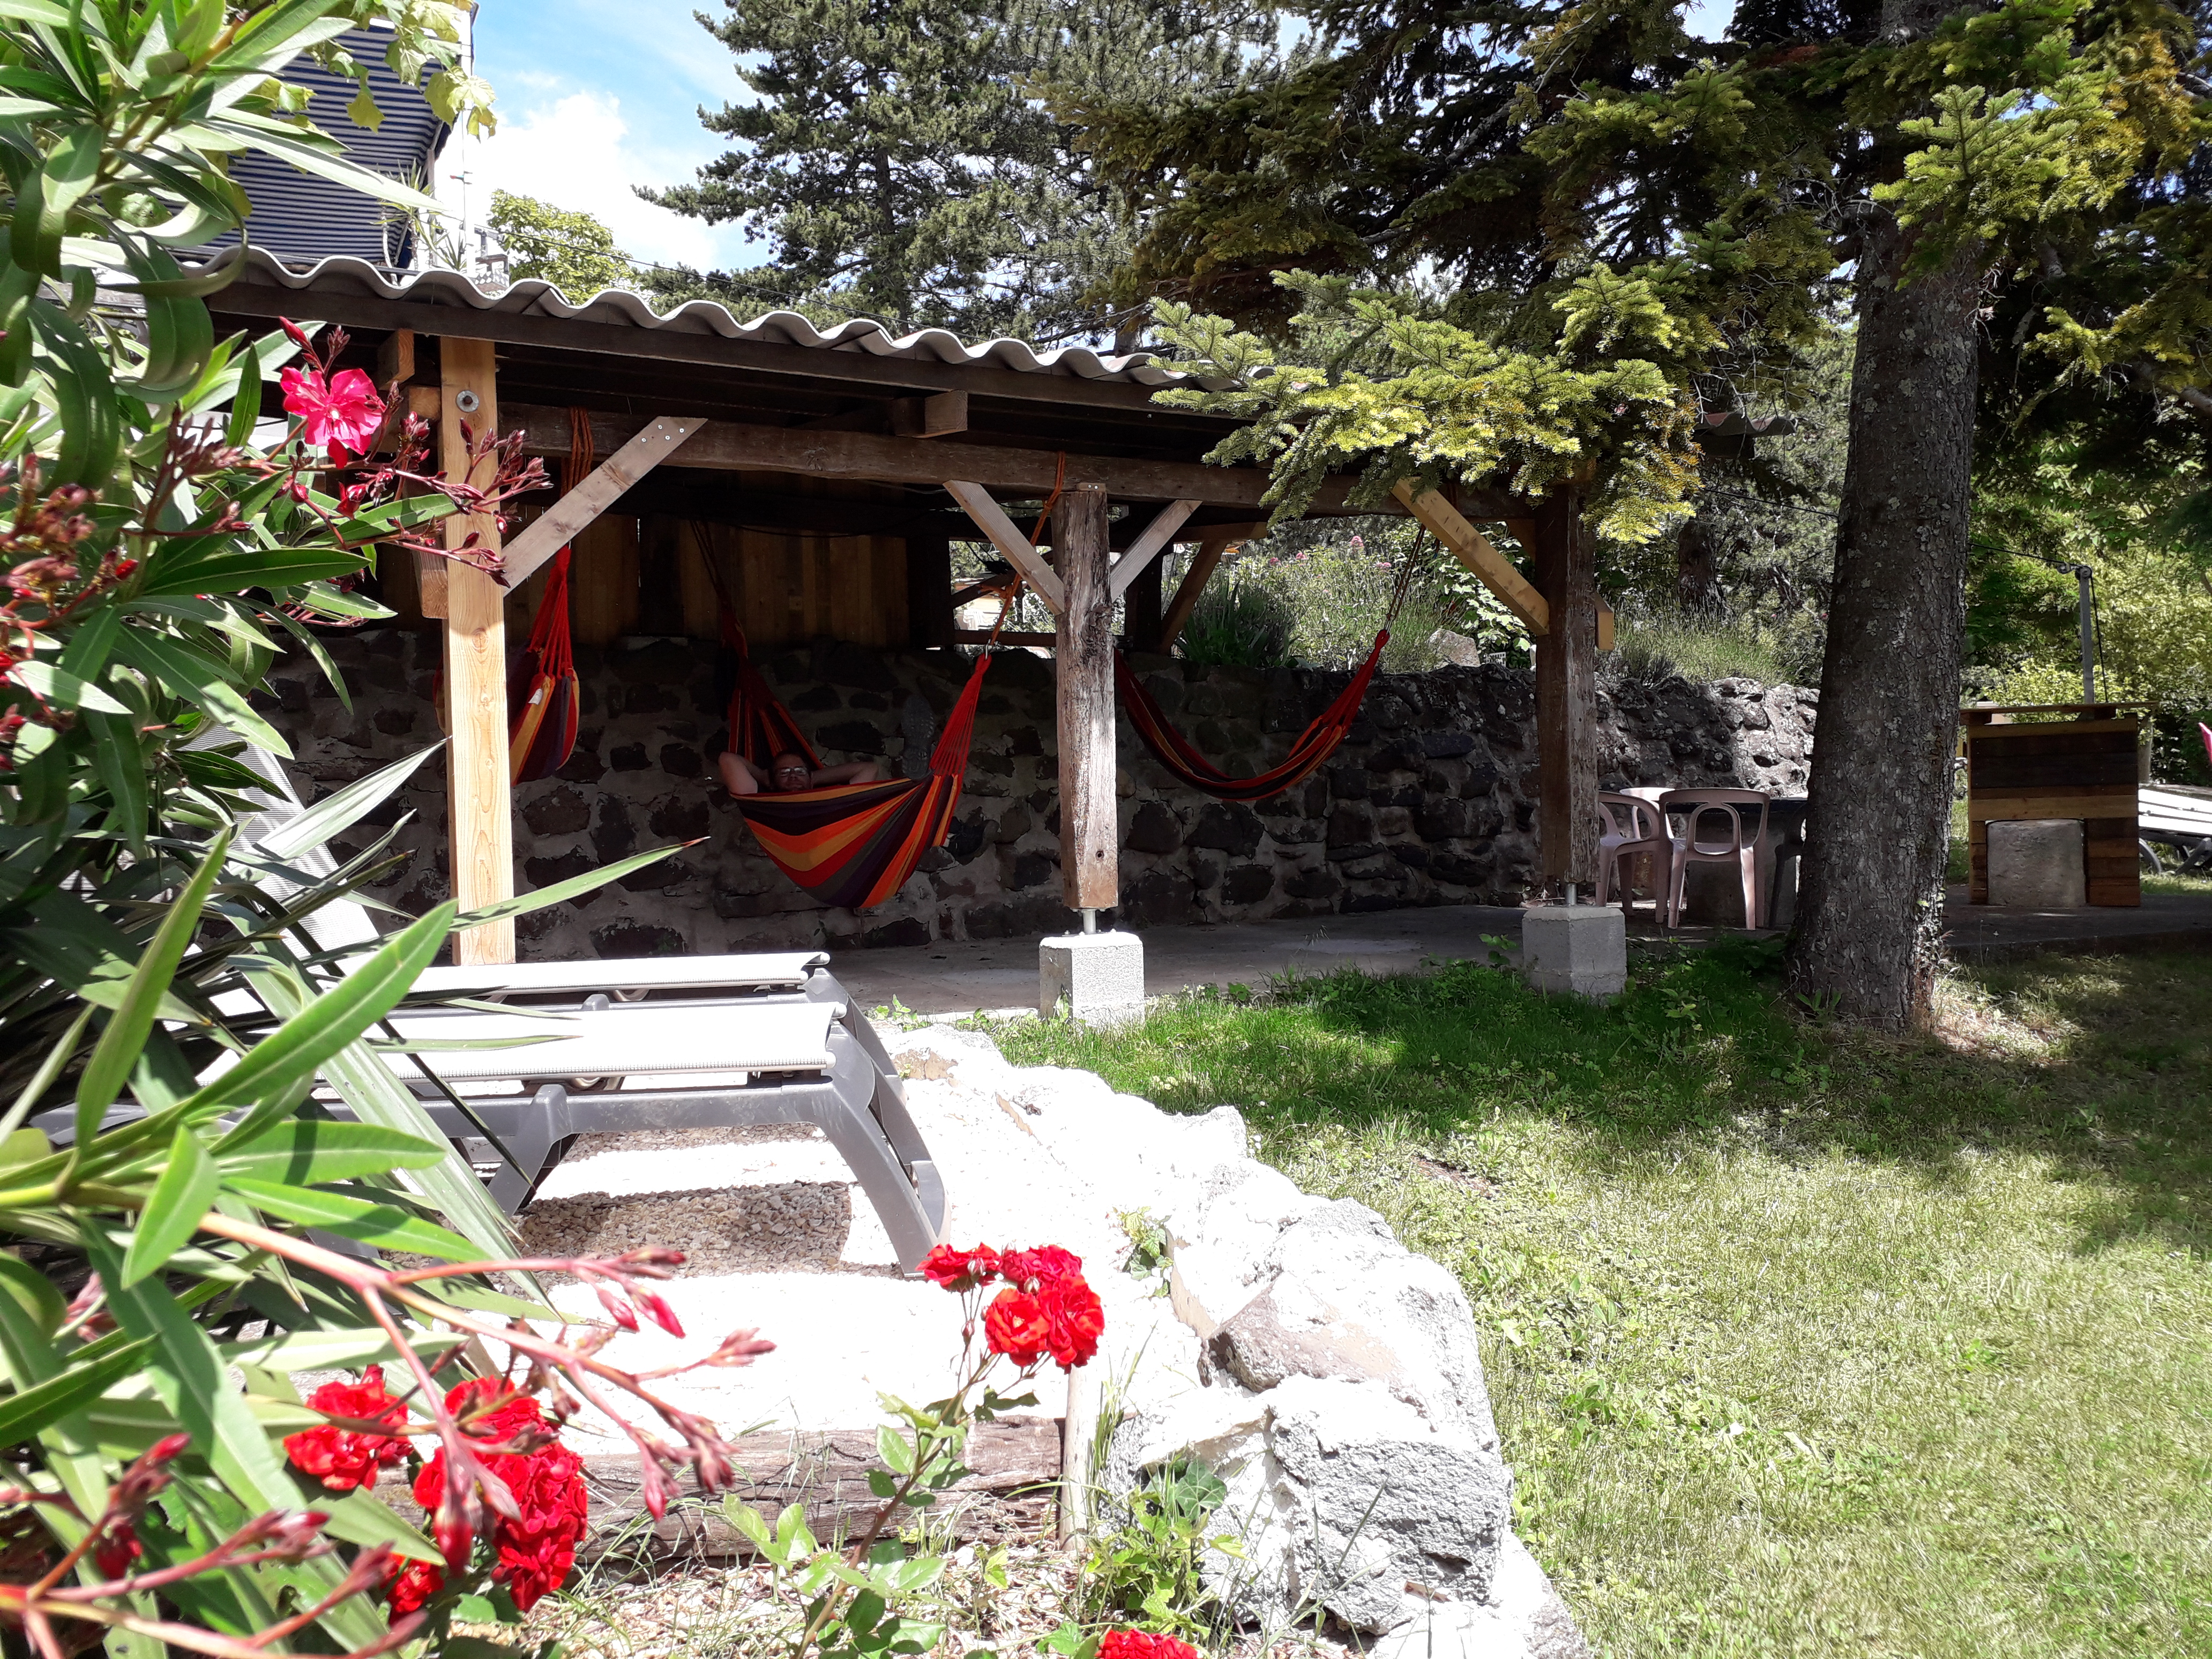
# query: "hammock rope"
{"points": [[543, 696], [1312, 746], [853, 845]]}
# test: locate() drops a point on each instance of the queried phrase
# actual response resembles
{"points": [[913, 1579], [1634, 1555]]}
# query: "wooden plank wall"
{"points": [[2084, 769], [629, 576]]}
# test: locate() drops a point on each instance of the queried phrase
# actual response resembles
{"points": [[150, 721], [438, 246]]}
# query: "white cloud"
{"points": [[576, 153]]}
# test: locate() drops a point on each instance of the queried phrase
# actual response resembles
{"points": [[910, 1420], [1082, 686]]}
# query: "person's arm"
{"points": [[854, 772], [739, 776]]}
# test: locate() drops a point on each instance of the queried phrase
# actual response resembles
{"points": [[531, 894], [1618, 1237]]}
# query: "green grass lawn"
{"points": [[1801, 1341]]}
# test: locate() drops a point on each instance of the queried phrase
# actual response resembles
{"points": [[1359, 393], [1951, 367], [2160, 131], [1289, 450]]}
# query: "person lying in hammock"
{"points": [[787, 773]]}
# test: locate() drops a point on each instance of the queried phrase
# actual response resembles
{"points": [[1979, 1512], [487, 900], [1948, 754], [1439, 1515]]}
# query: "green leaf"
{"points": [[385, 1225], [339, 811], [309, 1151], [33, 1288], [29, 1411], [881, 1484], [234, 570], [330, 1022], [58, 685], [358, 1518], [127, 1027], [187, 1186], [562, 891], [200, 680], [894, 1448]]}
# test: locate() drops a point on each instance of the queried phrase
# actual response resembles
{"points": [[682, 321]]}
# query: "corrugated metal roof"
{"points": [[300, 217], [618, 306]]}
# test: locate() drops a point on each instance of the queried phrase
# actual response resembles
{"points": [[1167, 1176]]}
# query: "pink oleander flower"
{"points": [[343, 413]]}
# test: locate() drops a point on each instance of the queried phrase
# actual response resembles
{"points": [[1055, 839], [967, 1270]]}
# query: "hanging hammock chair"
{"points": [[542, 694], [853, 845], [1313, 746]]}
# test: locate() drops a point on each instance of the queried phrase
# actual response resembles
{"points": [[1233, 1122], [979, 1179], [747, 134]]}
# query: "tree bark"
{"points": [[1870, 916]]}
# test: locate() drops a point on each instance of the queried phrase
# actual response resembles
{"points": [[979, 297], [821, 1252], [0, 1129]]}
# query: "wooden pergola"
{"points": [[822, 444]]}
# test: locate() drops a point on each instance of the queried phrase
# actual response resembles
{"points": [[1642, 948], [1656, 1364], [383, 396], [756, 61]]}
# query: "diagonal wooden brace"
{"points": [[1147, 547], [1472, 549], [574, 511], [991, 519]]}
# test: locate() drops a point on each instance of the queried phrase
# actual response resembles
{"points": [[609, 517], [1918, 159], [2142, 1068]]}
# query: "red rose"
{"points": [[536, 1549], [1136, 1645], [1074, 1320], [414, 1583], [1045, 1265], [342, 1459], [1014, 1325], [960, 1270]]}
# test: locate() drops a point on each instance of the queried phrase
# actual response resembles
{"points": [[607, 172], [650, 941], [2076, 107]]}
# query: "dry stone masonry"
{"points": [[1432, 799]]}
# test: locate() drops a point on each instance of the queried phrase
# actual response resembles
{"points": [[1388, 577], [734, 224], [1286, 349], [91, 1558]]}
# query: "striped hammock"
{"points": [[1315, 745], [544, 703], [853, 845]]}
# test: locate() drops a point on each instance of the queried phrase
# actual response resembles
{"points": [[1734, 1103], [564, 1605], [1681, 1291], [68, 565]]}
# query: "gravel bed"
{"points": [[798, 1226]]}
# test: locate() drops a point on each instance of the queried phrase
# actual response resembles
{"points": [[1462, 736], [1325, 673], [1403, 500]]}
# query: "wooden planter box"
{"points": [[2086, 768]]}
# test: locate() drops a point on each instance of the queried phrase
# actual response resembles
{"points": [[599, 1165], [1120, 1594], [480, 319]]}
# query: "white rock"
{"points": [[1523, 1619], [1222, 1241]]}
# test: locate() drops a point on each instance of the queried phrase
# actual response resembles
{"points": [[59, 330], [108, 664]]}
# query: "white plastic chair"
{"points": [[1702, 808], [1633, 833]]}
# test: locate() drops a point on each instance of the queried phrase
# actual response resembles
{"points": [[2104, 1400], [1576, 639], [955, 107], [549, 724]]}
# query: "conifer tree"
{"points": [[1540, 158], [901, 164]]}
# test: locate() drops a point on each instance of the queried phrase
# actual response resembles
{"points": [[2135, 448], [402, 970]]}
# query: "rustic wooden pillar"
{"points": [[1088, 838], [478, 802], [1140, 607], [1566, 690], [928, 588]]}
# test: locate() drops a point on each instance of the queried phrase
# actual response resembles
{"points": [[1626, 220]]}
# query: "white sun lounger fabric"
{"points": [[662, 1038], [769, 970]]}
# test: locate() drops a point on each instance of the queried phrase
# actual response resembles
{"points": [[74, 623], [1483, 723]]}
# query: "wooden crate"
{"points": [[2086, 767]]}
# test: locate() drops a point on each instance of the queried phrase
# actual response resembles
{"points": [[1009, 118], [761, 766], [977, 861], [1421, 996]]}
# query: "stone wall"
{"points": [[1431, 800]]}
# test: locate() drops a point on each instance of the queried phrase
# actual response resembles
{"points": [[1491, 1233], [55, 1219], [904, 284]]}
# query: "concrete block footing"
{"points": [[2038, 863], [1100, 977], [1581, 948]]}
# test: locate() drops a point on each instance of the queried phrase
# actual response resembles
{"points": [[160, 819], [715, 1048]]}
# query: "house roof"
{"points": [[297, 216], [344, 276]]}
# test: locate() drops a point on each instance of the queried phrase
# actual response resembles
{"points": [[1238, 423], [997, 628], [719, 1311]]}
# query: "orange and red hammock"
{"points": [[543, 699], [853, 845]]}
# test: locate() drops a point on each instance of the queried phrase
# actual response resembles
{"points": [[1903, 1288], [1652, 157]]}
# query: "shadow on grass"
{"points": [[2101, 1067]]}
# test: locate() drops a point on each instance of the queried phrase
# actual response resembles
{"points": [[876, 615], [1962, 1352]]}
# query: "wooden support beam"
{"points": [[930, 417], [729, 446], [1566, 553], [1194, 584], [991, 519], [1472, 549], [1089, 839], [395, 358], [1148, 546], [574, 511], [478, 803]]}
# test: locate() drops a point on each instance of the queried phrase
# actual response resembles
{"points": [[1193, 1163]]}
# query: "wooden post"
{"points": [[1566, 553], [1140, 608], [1089, 837], [928, 588], [478, 798]]}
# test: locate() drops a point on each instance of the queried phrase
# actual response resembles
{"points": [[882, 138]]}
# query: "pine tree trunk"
{"points": [[1870, 916]]}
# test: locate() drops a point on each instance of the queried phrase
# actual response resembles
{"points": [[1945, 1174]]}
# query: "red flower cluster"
{"points": [[343, 412], [1047, 1307], [342, 1459], [537, 1550], [1136, 1645]]}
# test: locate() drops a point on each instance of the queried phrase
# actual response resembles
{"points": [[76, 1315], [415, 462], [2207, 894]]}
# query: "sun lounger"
{"points": [[645, 1044], [746, 1041]]}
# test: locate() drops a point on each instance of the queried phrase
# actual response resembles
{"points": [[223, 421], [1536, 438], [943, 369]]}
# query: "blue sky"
{"points": [[597, 95]]}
